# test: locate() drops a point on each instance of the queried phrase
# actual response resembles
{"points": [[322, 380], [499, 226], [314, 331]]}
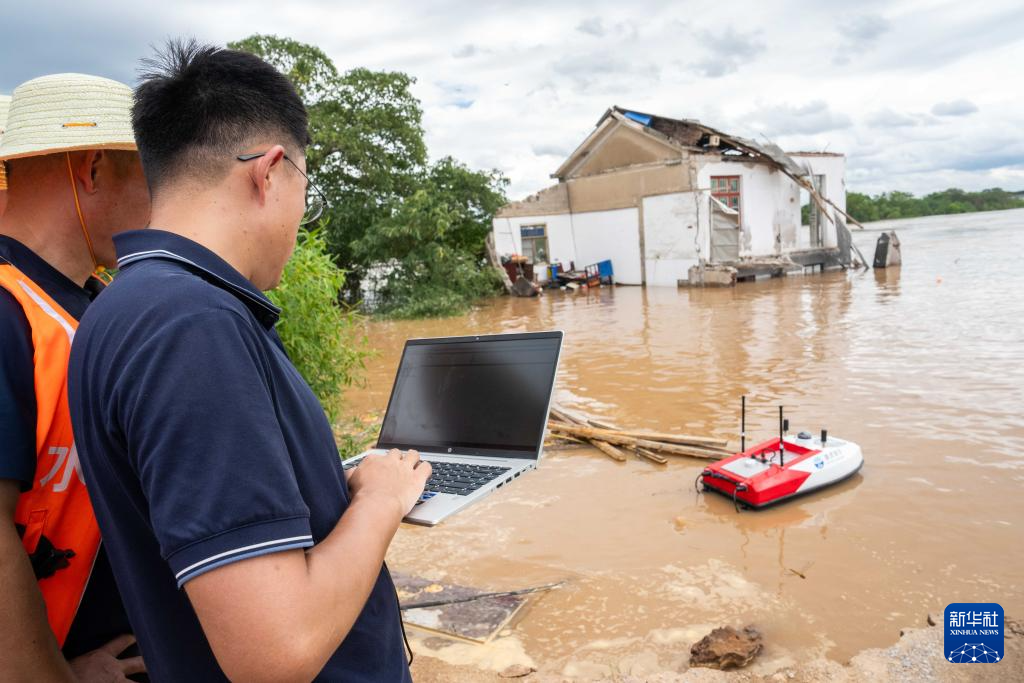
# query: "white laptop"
{"points": [[476, 408]]}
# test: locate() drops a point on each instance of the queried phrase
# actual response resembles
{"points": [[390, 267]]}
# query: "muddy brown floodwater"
{"points": [[922, 366]]}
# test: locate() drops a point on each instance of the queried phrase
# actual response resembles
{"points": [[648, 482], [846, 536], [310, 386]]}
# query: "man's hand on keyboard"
{"points": [[401, 476]]}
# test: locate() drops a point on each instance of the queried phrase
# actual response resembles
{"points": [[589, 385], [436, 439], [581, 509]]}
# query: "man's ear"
{"points": [[260, 171], [85, 167]]}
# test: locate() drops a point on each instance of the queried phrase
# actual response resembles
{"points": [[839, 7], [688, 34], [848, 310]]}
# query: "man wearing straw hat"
{"points": [[74, 179]]}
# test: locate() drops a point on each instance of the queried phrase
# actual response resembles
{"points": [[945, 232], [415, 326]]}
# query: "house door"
{"points": [[725, 233], [725, 218]]}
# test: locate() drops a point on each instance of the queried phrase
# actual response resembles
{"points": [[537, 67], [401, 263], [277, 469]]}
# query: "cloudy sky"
{"points": [[919, 94]]}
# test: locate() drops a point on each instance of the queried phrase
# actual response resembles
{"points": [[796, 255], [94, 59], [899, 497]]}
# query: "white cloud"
{"points": [[467, 50], [857, 34], [592, 26], [959, 107], [727, 51], [787, 119], [887, 118], [516, 86]]}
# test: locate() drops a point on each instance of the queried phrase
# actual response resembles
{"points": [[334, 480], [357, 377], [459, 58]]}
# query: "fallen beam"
{"points": [[609, 450], [709, 442], [630, 438], [621, 439]]}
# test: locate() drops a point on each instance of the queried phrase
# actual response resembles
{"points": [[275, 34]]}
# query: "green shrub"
{"points": [[326, 341]]}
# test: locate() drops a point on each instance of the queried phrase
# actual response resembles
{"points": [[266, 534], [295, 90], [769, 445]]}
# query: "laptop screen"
{"points": [[473, 395]]}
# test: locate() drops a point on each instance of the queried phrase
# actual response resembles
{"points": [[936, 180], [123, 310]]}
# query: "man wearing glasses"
{"points": [[239, 547]]}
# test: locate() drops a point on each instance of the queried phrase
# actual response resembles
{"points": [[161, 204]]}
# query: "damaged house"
{"points": [[671, 201]]}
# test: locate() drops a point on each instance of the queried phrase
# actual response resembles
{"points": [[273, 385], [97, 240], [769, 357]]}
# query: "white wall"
{"points": [[672, 233], [834, 170], [583, 239], [508, 238], [613, 235]]}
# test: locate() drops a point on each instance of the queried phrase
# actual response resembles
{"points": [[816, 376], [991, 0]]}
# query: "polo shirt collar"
{"points": [[134, 246]]}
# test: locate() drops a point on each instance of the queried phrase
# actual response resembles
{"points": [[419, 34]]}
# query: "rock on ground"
{"points": [[726, 648]]}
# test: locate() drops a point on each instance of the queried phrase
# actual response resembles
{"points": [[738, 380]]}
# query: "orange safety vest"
{"points": [[56, 519]]}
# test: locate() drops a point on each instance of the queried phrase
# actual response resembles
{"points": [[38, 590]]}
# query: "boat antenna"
{"points": [[782, 448], [743, 423]]}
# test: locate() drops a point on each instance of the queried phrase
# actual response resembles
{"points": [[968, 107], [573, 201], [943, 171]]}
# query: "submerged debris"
{"points": [[616, 442], [727, 648]]}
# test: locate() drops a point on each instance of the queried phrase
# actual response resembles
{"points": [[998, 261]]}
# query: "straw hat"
{"points": [[67, 112], [5, 104]]}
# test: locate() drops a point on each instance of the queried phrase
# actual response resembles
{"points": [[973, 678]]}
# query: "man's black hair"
{"points": [[198, 106]]}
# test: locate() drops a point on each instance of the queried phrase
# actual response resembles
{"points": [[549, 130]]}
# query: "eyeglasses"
{"points": [[315, 200]]}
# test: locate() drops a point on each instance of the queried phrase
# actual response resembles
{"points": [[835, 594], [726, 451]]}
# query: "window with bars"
{"points": [[726, 189]]}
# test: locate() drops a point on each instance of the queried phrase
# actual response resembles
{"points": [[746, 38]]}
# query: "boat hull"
{"points": [[763, 476]]}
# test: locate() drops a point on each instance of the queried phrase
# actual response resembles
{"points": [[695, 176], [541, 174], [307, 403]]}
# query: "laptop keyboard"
{"points": [[457, 478], [460, 478]]}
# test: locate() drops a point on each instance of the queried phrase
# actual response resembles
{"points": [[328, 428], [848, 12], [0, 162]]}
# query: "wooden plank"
{"points": [[624, 439], [676, 449], [652, 456], [609, 450], [564, 416], [707, 441]]}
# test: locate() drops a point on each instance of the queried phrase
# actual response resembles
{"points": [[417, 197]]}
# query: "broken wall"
{"points": [[550, 200], [833, 167]]}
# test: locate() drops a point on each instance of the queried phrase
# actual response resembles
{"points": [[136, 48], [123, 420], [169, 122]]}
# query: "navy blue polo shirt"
{"points": [[101, 615], [202, 446]]}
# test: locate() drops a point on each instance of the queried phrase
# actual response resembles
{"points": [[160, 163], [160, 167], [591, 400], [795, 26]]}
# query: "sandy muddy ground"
{"points": [[917, 656]]}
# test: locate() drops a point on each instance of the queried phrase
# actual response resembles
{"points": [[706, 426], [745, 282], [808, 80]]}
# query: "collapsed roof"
{"points": [[690, 135], [694, 136]]}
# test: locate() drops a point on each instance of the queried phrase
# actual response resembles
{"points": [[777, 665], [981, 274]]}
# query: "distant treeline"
{"points": [[890, 205]]}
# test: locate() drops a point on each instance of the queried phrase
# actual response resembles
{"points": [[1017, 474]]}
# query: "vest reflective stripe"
{"points": [[57, 507]]}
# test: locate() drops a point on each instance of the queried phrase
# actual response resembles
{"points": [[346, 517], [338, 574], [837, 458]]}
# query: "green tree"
{"points": [[861, 207], [368, 154], [953, 200], [367, 149], [310, 70]]}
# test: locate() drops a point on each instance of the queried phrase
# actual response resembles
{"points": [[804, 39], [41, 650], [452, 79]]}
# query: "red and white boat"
{"points": [[782, 468]]}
